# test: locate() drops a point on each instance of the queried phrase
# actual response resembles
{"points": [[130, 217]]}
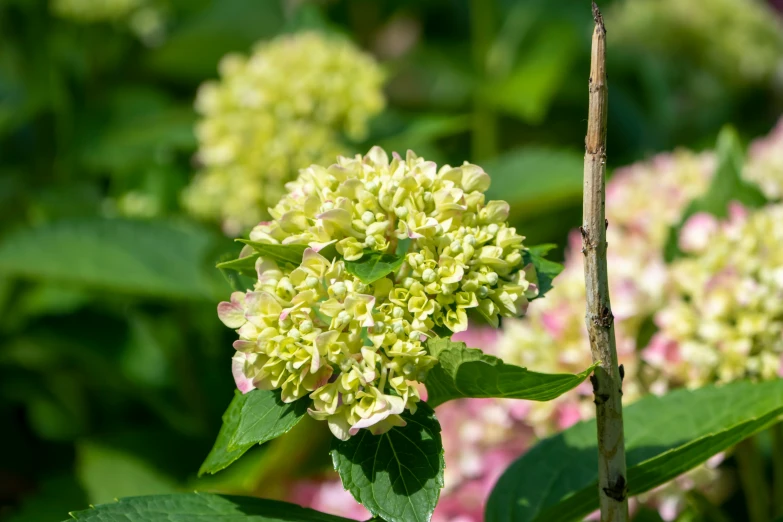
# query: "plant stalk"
{"points": [[750, 466], [484, 135], [607, 383], [777, 467]]}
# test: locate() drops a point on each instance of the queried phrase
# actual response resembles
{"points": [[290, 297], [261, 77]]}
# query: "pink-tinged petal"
{"points": [[481, 337], [311, 254], [737, 212], [567, 415], [287, 311], [232, 314], [661, 351], [243, 382], [388, 423], [780, 368], [323, 376], [697, 232], [244, 346], [669, 508], [555, 322], [317, 247], [519, 410]]}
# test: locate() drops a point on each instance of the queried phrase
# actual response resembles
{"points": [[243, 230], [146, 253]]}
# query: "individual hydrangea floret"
{"points": [[285, 106], [357, 348]]}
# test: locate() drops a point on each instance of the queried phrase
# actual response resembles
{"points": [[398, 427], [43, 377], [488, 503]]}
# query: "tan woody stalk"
{"points": [[607, 380]]}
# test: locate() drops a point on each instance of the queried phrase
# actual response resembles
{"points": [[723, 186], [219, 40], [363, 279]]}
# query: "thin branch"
{"points": [[607, 381]]}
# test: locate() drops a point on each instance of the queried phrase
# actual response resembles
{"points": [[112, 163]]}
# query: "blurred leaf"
{"points": [[423, 130], [397, 475], [57, 408], [252, 418], [146, 258], [664, 436], [193, 49], [727, 186], [536, 179], [145, 359], [140, 139], [202, 506], [464, 372], [373, 266], [107, 474], [530, 87], [52, 299], [546, 270]]}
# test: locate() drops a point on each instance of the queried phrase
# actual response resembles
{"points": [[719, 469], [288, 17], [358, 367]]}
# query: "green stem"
{"points": [[483, 28], [751, 472], [777, 468]]}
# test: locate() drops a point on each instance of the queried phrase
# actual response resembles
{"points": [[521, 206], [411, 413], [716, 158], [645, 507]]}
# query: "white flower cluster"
{"points": [[741, 40], [765, 163], [357, 348], [282, 108]]}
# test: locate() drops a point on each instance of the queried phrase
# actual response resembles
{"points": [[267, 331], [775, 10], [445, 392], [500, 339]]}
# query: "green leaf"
{"points": [[373, 266], [148, 258], [193, 49], [107, 473], [727, 186], [280, 254], [252, 418], [529, 89], [535, 180], [546, 270], [201, 506], [220, 457], [464, 372], [664, 437], [244, 265], [397, 475]]}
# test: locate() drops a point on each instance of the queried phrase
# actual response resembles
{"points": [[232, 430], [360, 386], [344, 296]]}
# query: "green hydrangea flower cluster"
{"points": [[350, 334], [280, 109]]}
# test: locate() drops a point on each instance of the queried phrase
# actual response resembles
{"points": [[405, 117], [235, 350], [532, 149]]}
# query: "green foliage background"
{"points": [[114, 370]]}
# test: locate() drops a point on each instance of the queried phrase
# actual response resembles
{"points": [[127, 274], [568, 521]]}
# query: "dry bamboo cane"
{"points": [[607, 379]]}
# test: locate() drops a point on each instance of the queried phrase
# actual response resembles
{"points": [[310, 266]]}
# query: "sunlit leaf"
{"points": [[397, 475], [469, 373], [280, 254], [252, 418], [373, 266], [665, 436], [546, 270]]}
